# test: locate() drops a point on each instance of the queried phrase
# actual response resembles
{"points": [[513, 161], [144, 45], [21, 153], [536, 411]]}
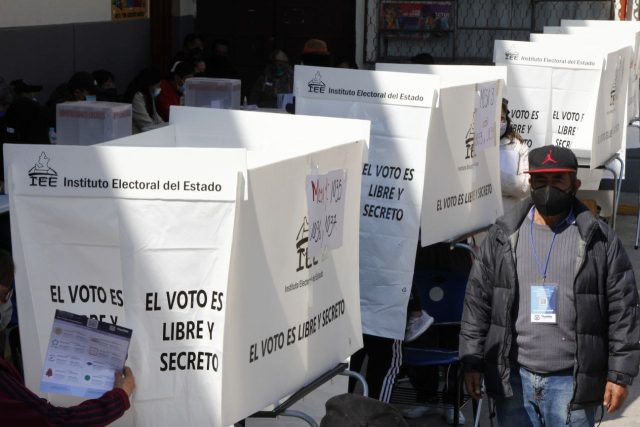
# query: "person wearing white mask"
{"points": [[142, 92], [514, 162], [6, 289], [172, 88]]}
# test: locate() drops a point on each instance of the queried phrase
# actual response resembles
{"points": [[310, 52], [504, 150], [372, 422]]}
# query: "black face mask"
{"points": [[551, 201]]}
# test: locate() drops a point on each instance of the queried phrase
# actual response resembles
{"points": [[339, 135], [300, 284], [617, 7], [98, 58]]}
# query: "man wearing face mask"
{"points": [[276, 79], [551, 314]]}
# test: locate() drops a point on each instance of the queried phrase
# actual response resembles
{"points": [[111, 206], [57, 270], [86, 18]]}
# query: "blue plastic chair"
{"points": [[442, 296]]}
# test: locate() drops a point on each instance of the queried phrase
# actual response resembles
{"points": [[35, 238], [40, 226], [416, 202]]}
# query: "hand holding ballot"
{"points": [[20, 406], [126, 381]]}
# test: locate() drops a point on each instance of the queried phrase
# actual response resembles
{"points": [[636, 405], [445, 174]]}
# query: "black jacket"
{"points": [[606, 299]]}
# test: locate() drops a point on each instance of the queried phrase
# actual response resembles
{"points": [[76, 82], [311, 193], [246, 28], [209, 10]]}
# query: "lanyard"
{"points": [[543, 270]]}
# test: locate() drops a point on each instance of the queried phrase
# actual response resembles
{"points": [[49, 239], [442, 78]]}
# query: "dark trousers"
{"points": [[385, 359]]}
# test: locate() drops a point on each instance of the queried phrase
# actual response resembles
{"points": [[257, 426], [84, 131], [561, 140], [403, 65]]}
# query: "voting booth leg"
{"points": [[617, 187], [617, 179], [359, 377], [617, 201], [283, 408], [477, 407]]}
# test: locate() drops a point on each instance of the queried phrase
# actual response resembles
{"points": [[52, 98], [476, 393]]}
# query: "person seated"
{"points": [[193, 44], [316, 53], [423, 59], [7, 271], [276, 79], [6, 98], [106, 90], [172, 89], [80, 87], [26, 119], [219, 64], [141, 93], [346, 62]]}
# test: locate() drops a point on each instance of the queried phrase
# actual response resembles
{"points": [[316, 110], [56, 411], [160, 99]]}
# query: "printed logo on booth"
{"points": [[511, 55], [41, 174], [316, 85], [469, 142], [614, 85], [302, 247]]}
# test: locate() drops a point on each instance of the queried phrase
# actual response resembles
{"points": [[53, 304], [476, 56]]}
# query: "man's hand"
{"points": [[126, 381], [614, 396], [473, 383]]}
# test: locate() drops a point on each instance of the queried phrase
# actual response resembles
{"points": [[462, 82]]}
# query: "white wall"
{"points": [[24, 13]]}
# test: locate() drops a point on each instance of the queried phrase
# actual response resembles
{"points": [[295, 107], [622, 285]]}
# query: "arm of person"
{"points": [[515, 183], [27, 408], [140, 116], [163, 104], [614, 396], [624, 324], [125, 381], [476, 316]]}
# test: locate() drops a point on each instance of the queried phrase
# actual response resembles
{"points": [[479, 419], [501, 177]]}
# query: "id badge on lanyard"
{"points": [[544, 303]]}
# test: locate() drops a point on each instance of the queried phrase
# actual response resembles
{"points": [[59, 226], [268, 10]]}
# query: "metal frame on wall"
{"points": [[473, 26]]}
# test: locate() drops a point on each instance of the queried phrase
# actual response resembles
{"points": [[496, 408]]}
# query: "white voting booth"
{"points": [[196, 237], [620, 31], [87, 123], [451, 75], [602, 42], [575, 98], [462, 180], [399, 106], [617, 37]]}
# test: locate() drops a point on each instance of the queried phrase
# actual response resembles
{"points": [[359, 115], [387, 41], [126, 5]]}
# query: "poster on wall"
{"points": [[415, 15], [122, 10]]}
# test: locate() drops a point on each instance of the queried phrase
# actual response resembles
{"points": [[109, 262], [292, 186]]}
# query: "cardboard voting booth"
{"points": [[213, 93], [87, 123], [617, 37], [620, 31], [399, 106], [462, 179], [604, 43], [575, 98], [451, 75], [201, 251]]}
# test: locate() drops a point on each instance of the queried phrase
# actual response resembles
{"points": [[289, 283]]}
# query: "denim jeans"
{"points": [[541, 400]]}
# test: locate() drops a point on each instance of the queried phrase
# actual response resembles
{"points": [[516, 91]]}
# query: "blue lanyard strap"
{"points": [[543, 270]]}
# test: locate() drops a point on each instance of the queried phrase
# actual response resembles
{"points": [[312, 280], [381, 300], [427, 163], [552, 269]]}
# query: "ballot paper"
{"points": [[83, 355]]}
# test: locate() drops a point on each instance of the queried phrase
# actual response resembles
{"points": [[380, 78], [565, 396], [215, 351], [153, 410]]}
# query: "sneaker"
{"points": [[418, 412], [448, 416], [416, 326]]}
